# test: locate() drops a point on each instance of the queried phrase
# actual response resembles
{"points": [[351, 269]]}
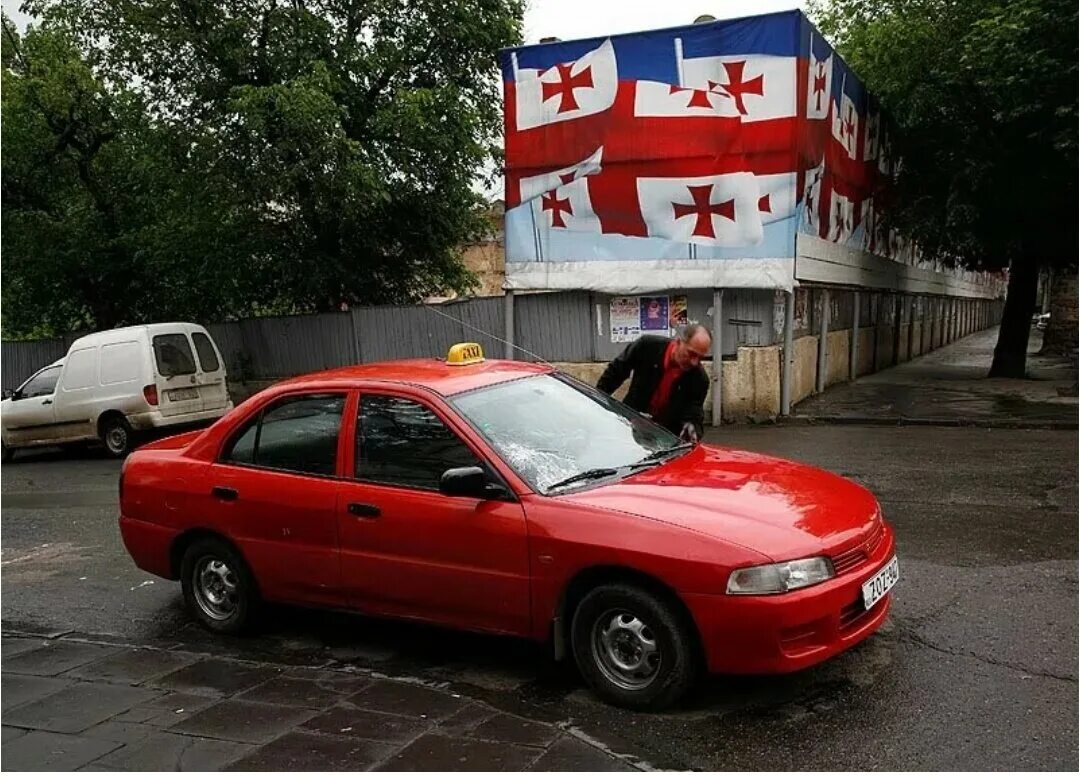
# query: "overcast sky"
{"points": [[568, 19]]}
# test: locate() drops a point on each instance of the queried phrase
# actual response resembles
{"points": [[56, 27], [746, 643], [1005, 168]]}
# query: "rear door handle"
{"points": [[224, 494], [369, 511]]}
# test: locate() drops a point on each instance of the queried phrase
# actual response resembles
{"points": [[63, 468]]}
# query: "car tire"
{"points": [[635, 648], [117, 436], [219, 589]]}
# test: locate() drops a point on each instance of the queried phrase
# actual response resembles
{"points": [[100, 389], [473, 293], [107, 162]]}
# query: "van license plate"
{"points": [[183, 394], [881, 583]]}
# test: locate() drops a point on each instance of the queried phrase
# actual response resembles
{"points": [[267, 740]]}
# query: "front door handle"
{"points": [[47, 401], [224, 494], [369, 511]]}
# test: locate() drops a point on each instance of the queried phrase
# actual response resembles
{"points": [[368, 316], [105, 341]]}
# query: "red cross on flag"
{"points": [[536, 185], [717, 210], [568, 90], [777, 200], [845, 125], [568, 207], [841, 217], [818, 86], [756, 88], [658, 99]]}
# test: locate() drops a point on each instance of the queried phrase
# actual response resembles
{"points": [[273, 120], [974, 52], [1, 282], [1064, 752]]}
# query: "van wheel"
{"points": [[634, 648], [218, 587], [117, 435]]}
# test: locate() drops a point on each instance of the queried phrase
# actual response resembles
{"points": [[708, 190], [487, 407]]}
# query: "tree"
{"points": [[357, 127], [106, 221], [983, 95]]}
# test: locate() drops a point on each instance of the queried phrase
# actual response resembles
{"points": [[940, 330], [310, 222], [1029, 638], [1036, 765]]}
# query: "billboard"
{"points": [[686, 157]]}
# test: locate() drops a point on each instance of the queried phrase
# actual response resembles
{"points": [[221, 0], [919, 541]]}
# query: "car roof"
{"points": [[431, 373]]}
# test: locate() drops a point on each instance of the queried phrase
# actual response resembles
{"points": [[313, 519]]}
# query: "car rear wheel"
{"points": [[635, 648], [117, 435], [218, 587]]}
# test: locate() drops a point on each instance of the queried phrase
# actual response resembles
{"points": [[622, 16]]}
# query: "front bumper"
{"points": [[790, 631]]}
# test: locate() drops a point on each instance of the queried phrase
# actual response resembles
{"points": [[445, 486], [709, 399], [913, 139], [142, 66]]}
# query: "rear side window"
{"points": [[207, 355], [120, 363], [173, 355], [298, 434], [79, 369]]}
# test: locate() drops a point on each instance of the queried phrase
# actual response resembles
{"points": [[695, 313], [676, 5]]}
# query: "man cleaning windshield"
{"points": [[668, 383]]}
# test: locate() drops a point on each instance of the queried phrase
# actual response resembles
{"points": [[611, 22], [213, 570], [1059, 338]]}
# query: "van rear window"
{"points": [[207, 355], [173, 355]]}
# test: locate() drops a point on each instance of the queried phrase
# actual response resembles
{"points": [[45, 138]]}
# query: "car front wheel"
{"points": [[218, 587], [635, 648]]}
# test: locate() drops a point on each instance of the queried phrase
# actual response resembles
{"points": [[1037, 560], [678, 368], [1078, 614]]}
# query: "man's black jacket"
{"points": [[645, 358]]}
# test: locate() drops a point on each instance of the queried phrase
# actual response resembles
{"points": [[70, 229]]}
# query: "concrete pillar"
{"points": [[898, 308], [911, 327], [855, 336], [508, 311], [717, 356], [823, 342], [788, 363]]}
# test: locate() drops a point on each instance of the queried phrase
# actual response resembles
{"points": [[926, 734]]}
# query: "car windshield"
{"points": [[550, 429]]}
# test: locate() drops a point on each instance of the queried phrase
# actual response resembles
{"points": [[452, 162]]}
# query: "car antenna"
{"points": [[543, 361]]}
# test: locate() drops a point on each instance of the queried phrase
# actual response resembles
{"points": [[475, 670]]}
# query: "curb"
{"points": [[874, 420]]}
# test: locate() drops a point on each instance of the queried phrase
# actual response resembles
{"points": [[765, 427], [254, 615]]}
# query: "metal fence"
{"points": [[566, 326]]}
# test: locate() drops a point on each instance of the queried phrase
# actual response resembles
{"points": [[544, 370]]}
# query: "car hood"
{"points": [[779, 508]]}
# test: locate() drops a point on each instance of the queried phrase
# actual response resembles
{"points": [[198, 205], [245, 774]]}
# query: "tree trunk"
{"points": [[1010, 354], [1060, 337]]}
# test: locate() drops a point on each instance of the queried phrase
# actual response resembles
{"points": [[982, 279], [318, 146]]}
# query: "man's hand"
{"points": [[688, 433]]}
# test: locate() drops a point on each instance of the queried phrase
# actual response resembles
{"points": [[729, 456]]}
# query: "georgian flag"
{"points": [[566, 91], [756, 87], [811, 200], [819, 86], [841, 218], [540, 184], [777, 200], [652, 98], [568, 207], [718, 210], [873, 135], [845, 125]]}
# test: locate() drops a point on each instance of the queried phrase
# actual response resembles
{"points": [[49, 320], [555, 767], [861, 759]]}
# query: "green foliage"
{"points": [[191, 159], [984, 97]]}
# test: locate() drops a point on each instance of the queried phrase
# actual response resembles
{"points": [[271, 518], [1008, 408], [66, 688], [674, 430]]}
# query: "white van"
{"points": [[114, 383]]}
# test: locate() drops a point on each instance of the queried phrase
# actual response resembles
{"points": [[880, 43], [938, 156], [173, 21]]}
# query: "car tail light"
{"points": [[150, 394]]}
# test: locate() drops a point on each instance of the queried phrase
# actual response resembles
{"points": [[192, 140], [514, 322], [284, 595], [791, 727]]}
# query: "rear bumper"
{"points": [[789, 632], [154, 418], [149, 545]]}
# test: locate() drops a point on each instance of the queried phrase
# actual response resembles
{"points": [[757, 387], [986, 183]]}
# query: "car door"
{"points": [[210, 377], [273, 490], [177, 374], [30, 415], [407, 549]]}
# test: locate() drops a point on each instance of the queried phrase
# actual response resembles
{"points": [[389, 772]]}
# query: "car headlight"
{"points": [[779, 577]]}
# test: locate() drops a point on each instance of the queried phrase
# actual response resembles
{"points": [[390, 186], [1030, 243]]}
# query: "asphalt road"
{"points": [[976, 668]]}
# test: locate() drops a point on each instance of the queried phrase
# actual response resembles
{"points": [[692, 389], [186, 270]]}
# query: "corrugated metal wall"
{"points": [[22, 359]]}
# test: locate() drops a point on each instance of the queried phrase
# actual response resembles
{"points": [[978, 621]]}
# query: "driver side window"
{"points": [[401, 442], [41, 384]]}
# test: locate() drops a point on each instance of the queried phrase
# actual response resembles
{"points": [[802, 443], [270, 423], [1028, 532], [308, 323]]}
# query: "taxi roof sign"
{"points": [[465, 353]]}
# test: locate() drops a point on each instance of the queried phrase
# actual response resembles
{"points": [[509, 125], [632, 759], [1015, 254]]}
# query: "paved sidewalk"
{"points": [[72, 704], [949, 387]]}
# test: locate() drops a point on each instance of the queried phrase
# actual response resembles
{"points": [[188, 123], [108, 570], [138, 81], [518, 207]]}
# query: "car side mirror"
{"points": [[7, 393], [470, 482]]}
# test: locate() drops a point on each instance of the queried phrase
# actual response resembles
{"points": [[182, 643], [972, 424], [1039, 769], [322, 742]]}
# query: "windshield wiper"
{"points": [[656, 455], [589, 474]]}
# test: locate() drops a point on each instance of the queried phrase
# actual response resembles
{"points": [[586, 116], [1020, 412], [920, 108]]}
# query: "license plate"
{"points": [[880, 584], [184, 394]]}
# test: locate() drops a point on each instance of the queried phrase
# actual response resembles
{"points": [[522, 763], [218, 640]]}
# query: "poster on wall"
{"points": [[654, 313], [678, 316], [625, 319]]}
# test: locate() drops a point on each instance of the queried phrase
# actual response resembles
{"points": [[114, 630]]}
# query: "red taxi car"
{"points": [[506, 497]]}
